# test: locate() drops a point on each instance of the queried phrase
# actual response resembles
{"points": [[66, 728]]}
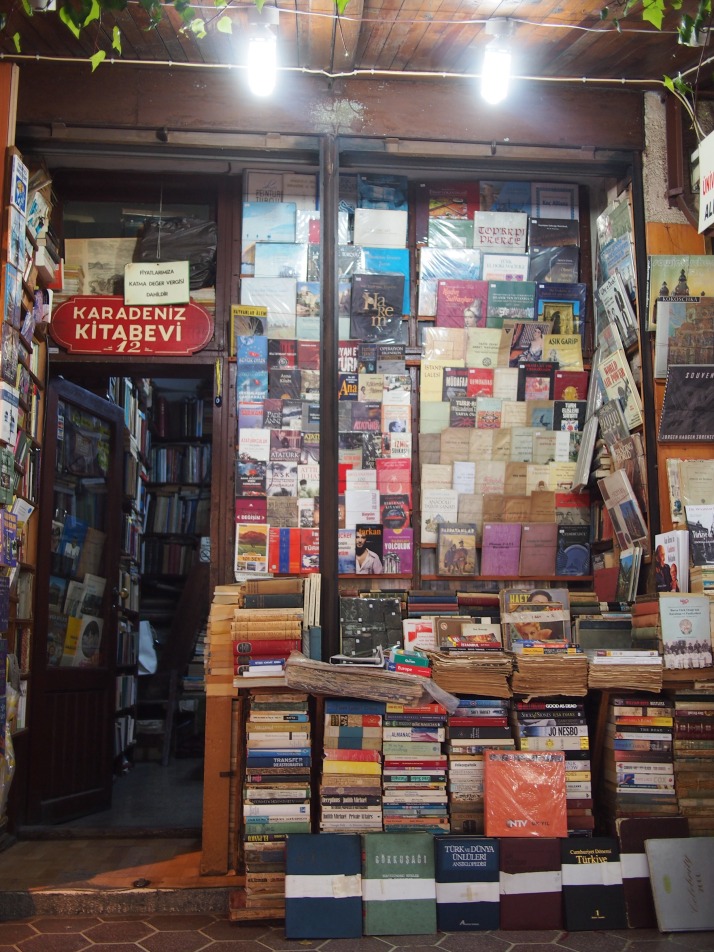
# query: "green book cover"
{"points": [[398, 884]]}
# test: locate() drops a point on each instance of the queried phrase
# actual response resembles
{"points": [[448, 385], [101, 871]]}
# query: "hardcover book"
{"points": [[700, 523], [456, 549], [389, 261], [593, 893], [438, 506], [552, 233], [398, 883], [323, 886], [573, 550], [467, 883], [500, 231], [376, 308], [536, 379], [682, 877], [685, 629], [509, 300], [563, 304], [538, 549], [632, 833], [461, 303], [688, 406], [556, 265], [530, 884], [525, 793], [500, 553], [502, 266]]}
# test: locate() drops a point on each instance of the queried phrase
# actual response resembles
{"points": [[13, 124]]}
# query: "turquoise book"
{"points": [[398, 884], [467, 883]]}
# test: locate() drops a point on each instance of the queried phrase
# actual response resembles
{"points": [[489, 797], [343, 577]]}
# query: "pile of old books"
{"points": [[545, 724], [415, 769], [371, 683], [694, 758], [276, 795], [549, 674], [351, 785], [478, 723], [625, 669], [637, 757], [470, 657]]}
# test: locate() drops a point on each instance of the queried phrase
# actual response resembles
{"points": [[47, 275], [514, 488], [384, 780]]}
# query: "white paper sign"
{"points": [[165, 282], [706, 183]]}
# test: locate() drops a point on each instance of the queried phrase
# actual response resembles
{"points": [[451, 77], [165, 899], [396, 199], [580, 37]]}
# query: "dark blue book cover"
{"points": [[252, 351], [323, 891], [350, 705], [467, 883]]}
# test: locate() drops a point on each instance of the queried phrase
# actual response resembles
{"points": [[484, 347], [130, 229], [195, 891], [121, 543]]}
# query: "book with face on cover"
{"points": [[461, 303]]}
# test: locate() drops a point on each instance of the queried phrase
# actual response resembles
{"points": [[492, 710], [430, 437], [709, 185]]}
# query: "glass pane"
{"points": [[78, 579]]}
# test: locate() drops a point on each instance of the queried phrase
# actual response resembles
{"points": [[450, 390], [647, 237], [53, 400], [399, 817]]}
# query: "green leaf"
{"points": [[669, 83], [94, 13], [341, 5], [3, 21], [259, 4], [224, 25], [604, 13], [116, 39], [27, 8], [653, 15], [66, 18], [97, 58], [16, 41], [219, 4], [198, 27]]}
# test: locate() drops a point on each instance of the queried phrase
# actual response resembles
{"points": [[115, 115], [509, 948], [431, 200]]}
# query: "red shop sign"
{"points": [[104, 324]]}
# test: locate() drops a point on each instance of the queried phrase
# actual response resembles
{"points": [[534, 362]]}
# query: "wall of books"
{"points": [[466, 387]]}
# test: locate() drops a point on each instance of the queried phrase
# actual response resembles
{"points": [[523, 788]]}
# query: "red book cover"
{"points": [[478, 722], [480, 382], [309, 550], [274, 647], [530, 884], [334, 753], [461, 303], [251, 509], [394, 477], [525, 793], [444, 200], [308, 354], [570, 385]]}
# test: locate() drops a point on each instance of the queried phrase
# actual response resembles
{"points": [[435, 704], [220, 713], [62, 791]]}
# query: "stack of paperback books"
{"points": [[470, 656], [415, 795], [276, 796], [431, 603], [560, 725], [694, 758], [477, 723], [626, 669], [351, 787], [638, 770], [549, 674]]}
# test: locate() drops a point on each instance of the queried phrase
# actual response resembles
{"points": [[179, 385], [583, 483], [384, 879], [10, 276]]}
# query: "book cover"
{"points": [[632, 833], [500, 231], [449, 200], [593, 892], [438, 505], [624, 511], [398, 549], [251, 549], [616, 380], [467, 883], [380, 228], [500, 552], [389, 261], [538, 549], [700, 524], [552, 232], [556, 265], [369, 549], [282, 353], [573, 550], [686, 630], [280, 259], [503, 266], [682, 878], [398, 883], [536, 379], [309, 550], [323, 886], [564, 349], [676, 276], [456, 549], [530, 884], [281, 479], [510, 300], [252, 351], [525, 793], [563, 304], [571, 385], [285, 445], [688, 405], [452, 233], [376, 307], [461, 303]]}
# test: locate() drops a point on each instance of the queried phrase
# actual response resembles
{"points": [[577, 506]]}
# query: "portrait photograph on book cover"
{"points": [[688, 406]]}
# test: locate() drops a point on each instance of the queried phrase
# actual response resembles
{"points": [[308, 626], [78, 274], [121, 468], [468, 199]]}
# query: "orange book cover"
{"points": [[524, 793]]}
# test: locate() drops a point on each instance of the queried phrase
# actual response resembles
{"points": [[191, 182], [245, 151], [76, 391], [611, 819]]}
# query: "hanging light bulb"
{"points": [[262, 59], [496, 69]]}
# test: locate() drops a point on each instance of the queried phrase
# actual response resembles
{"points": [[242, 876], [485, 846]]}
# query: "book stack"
{"points": [[470, 656], [218, 657], [638, 770], [701, 579], [276, 795], [549, 674], [351, 784], [625, 669], [694, 758], [475, 719], [482, 604], [421, 603], [415, 796], [646, 631], [560, 725], [266, 627]]}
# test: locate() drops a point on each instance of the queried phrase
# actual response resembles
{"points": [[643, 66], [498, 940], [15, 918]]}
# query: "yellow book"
{"points": [[351, 767]]}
